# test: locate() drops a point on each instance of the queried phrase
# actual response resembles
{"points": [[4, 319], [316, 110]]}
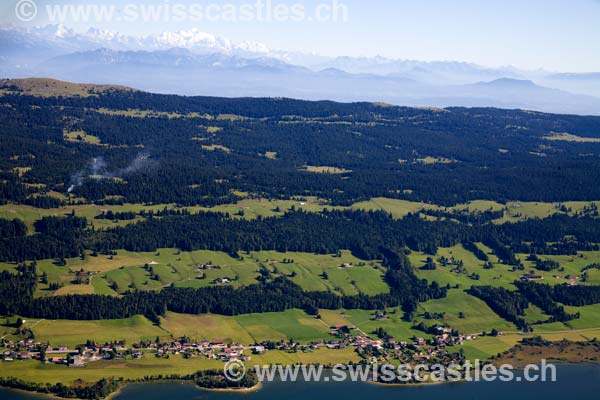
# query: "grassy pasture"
{"points": [[247, 329], [589, 317], [309, 270], [205, 327], [81, 137], [295, 324], [173, 266], [253, 207], [570, 265], [321, 356], [73, 333], [137, 113], [514, 211], [593, 277], [500, 275], [29, 214], [478, 317], [34, 371], [44, 87], [435, 160], [568, 137], [484, 347], [534, 314], [216, 147], [170, 266], [326, 170], [398, 208], [363, 320]]}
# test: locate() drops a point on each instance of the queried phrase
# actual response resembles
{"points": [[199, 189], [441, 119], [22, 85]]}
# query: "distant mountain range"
{"points": [[196, 63]]}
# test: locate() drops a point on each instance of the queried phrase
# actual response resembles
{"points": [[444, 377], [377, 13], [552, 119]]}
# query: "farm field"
{"points": [[155, 270], [73, 333], [589, 316], [29, 214], [34, 371], [347, 274], [500, 275], [365, 322], [593, 277], [247, 329], [570, 265], [252, 208], [514, 211], [477, 316]]}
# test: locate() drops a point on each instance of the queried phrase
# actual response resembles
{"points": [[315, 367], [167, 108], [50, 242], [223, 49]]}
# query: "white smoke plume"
{"points": [[97, 170]]}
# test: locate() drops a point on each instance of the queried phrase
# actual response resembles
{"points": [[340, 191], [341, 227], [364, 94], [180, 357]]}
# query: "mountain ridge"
{"points": [[196, 63]]}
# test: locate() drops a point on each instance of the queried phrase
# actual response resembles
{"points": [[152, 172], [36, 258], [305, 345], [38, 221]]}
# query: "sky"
{"points": [[556, 35]]}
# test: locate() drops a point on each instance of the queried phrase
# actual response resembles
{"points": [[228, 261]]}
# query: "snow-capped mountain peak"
{"points": [[192, 39], [63, 32]]}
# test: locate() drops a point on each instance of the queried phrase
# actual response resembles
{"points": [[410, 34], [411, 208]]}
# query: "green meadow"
{"points": [[476, 316], [247, 329], [154, 270], [253, 207]]}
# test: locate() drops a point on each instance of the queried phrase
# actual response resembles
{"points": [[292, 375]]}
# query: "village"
{"points": [[382, 348]]}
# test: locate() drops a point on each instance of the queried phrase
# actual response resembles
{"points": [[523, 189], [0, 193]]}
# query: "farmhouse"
{"points": [[531, 277]]}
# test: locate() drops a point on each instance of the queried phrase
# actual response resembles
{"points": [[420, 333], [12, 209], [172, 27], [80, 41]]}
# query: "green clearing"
{"points": [[326, 170], [73, 333], [137, 113], [216, 147], [513, 211], [570, 265], [180, 268], [29, 214], [251, 208], [247, 329], [205, 327], [589, 317], [478, 317], [593, 277], [311, 269], [485, 347], [81, 137], [293, 324], [171, 266], [435, 160], [398, 208], [568, 137], [364, 321], [500, 275], [534, 314]]}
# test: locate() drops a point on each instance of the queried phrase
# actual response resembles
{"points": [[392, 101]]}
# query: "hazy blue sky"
{"points": [[552, 34]]}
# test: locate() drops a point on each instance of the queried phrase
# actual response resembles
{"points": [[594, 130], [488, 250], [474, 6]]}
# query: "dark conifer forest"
{"points": [[130, 147]]}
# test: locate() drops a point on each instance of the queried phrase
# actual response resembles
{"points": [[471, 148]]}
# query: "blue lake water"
{"points": [[574, 382]]}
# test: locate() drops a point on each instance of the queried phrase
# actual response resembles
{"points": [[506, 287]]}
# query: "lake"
{"points": [[574, 382]]}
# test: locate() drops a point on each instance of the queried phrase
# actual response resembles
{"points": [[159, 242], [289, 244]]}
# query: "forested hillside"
{"points": [[115, 203], [143, 147]]}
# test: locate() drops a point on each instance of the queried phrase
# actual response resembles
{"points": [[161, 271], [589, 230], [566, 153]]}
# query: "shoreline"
{"points": [[42, 395], [259, 386], [412, 384], [252, 389]]}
